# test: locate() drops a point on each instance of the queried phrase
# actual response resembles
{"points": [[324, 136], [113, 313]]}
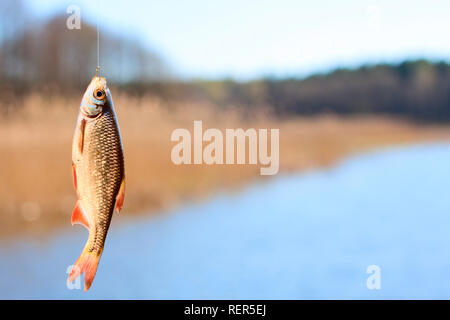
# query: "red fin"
{"points": [[120, 195], [81, 135], [87, 263], [79, 215], [74, 169]]}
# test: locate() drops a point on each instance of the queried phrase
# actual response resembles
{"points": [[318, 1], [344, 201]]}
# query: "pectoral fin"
{"points": [[74, 169], [79, 215], [81, 135], [120, 195]]}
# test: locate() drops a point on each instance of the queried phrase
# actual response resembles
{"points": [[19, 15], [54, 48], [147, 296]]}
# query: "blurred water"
{"points": [[310, 235]]}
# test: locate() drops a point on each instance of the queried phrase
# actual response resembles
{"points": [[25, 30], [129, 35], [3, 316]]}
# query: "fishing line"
{"points": [[98, 45]]}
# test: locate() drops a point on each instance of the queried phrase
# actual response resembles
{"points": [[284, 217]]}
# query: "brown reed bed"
{"points": [[36, 191]]}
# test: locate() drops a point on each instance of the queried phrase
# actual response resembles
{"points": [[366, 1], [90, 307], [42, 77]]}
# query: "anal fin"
{"points": [[79, 215]]}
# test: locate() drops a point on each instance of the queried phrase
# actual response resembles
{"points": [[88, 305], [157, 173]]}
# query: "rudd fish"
{"points": [[98, 172]]}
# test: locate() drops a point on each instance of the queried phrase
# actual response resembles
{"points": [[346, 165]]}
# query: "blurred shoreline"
{"points": [[37, 195]]}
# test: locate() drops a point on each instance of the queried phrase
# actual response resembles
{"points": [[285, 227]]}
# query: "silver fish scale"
{"points": [[104, 150]]}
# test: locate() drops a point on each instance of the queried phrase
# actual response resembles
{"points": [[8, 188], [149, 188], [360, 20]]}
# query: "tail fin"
{"points": [[87, 263]]}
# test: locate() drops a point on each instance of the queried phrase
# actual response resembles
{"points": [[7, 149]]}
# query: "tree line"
{"points": [[416, 89], [46, 56]]}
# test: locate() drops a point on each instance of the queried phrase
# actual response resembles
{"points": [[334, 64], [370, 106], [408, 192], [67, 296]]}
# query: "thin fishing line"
{"points": [[98, 44]]}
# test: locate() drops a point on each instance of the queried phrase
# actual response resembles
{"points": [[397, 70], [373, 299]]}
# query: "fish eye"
{"points": [[99, 94]]}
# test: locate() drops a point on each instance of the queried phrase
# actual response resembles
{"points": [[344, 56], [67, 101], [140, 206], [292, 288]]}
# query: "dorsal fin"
{"points": [[121, 195]]}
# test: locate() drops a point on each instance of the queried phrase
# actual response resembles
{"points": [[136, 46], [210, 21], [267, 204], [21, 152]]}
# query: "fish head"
{"points": [[95, 98]]}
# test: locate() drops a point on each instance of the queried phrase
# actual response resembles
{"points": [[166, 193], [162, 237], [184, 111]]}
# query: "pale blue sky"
{"points": [[253, 38]]}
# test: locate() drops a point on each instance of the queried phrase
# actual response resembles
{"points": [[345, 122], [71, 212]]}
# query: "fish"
{"points": [[98, 174]]}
